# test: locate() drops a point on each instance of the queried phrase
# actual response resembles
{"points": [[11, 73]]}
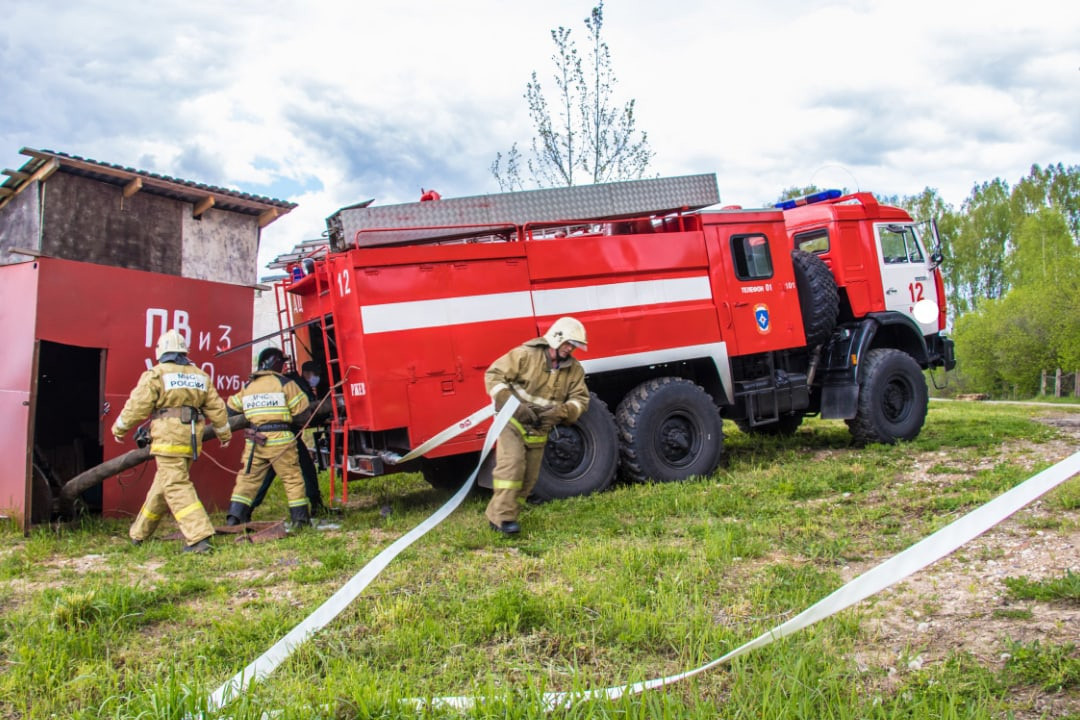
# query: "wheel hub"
{"points": [[897, 399], [678, 443], [565, 452]]}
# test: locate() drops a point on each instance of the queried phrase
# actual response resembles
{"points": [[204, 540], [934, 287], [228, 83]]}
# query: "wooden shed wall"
{"points": [[92, 221], [220, 246], [20, 223]]}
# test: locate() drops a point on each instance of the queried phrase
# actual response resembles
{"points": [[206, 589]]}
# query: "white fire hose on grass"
{"points": [[893, 570], [283, 648]]}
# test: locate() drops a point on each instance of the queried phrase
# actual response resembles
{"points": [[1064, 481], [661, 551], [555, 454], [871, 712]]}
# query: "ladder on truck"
{"points": [[336, 379], [450, 219], [339, 421]]}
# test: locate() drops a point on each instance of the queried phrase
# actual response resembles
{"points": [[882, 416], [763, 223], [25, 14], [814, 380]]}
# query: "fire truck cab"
{"points": [[833, 306]]}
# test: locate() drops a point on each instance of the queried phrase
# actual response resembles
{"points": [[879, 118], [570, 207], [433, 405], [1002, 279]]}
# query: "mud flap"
{"points": [[839, 402]]}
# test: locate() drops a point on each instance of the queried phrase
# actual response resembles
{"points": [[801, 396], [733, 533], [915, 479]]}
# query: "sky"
{"points": [[329, 103]]}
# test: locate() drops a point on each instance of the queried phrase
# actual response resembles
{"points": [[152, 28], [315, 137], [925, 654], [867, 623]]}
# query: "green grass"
{"points": [[638, 582], [1066, 588]]}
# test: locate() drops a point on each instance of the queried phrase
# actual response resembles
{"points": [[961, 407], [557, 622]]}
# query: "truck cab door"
{"points": [[906, 277], [754, 284]]}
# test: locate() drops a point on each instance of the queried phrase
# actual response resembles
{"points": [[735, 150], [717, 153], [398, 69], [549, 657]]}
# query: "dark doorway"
{"points": [[67, 437]]}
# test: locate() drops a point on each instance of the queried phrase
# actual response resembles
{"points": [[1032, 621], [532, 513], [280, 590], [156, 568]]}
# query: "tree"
{"points": [[977, 268], [1056, 187], [1044, 253], [588, 138]]}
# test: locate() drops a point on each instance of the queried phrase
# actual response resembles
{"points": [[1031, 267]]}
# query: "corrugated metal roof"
{"points": [[44, 162]]}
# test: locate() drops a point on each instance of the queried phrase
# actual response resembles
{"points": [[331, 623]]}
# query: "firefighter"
{"points": [[307, 380], [550, 384], [272, 404], [176, 395]]}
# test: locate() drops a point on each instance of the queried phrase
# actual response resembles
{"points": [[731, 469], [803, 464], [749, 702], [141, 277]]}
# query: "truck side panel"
{"points": [[429, 330], [635, 293]]}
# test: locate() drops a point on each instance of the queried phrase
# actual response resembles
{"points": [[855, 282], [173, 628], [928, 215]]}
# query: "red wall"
{"points": [[124, 312]]}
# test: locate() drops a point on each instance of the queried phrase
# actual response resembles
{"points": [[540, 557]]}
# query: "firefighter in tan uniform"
{"points": [[272, 404], [550, 384], [176, 395]]}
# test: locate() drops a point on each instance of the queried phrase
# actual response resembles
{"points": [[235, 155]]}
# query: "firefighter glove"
{"points": [[526, 415], [555, 414]]}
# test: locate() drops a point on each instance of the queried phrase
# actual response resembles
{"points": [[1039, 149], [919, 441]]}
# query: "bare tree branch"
{"points": [[589, 139]]}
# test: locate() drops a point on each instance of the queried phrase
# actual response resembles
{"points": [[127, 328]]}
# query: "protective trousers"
{"points": [[517, 468], [308, 471], [172, 491], [286, 463]]}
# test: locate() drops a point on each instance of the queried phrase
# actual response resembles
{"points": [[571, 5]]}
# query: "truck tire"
{"points": [[892, 398], [449, 472], [669, 429], [581, 458], [787, 424], [818, 296]]}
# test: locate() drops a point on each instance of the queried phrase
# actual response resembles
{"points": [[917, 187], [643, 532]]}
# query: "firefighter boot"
{"points": [[203, 546], [299, 517], [239, 514]]}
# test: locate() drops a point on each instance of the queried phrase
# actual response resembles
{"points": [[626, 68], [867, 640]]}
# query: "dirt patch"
{"points": [[961, 604], [83, 564]]}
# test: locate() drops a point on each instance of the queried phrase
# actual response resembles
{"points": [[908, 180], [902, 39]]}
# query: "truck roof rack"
{"points": [[450, 218]]}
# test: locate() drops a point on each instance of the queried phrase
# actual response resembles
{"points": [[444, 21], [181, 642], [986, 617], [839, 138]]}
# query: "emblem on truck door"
{"points": [[761, 318]]}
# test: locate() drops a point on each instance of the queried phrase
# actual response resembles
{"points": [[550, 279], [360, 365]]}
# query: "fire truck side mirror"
{"points": [[936, 259]]}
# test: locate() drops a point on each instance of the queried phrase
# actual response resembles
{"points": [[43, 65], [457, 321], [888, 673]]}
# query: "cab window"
{"points": [[751, 255], [813, 241], [898, 244]]}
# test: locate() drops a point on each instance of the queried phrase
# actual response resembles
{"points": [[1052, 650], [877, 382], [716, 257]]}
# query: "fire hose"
{"points": [[283, 648], [76, 486], [888, 573]]}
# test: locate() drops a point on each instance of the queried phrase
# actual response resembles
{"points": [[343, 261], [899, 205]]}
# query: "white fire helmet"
{"points": [[171, 341], [567, 329]]}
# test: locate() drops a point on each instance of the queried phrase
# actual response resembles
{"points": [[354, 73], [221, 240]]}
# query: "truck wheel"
{"points": [[787, 424], [818, 296], [449, 472], [581, 458], [669, 429], [892, 398]]}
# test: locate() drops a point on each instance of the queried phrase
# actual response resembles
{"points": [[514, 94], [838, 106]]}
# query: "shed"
{"points": [[96, 260]]}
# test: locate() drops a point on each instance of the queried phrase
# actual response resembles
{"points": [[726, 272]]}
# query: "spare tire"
{"points": [[818, 296]]}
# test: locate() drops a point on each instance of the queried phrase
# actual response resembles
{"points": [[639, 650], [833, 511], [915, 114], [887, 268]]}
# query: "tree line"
{"points": [[1012, 278]]}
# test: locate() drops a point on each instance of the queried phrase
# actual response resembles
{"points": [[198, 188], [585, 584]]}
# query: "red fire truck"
{"points": [[827, 305]]}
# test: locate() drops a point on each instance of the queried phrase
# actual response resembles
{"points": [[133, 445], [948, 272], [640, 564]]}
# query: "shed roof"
{"points": [[43, 163]]}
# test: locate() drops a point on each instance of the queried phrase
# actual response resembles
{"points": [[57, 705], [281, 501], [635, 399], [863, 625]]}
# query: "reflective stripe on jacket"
{"points": [[270, 397]]}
